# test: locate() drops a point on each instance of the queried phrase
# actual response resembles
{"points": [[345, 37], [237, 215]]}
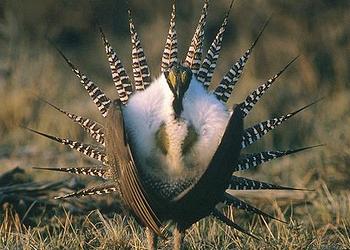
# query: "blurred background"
{"points": [[318, 31]]}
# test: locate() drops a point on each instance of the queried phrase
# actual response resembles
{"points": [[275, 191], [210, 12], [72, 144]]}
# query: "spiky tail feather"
{"points": [[98, 190], [220, 216], [256, 132], [224, 89], [170, 51], [120, 77], [241, 183], [237, 203], [194, 54], [142, 76], [253, 160], [255, 96], [208, 66], [86, 149], [91, 171], [94, 129], [98, 97]]}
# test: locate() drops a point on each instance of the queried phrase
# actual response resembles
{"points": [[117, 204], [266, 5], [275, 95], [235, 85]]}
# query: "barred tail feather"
{"points": [[241, 183], [224, 89], [142, 76], [194, 54], [99, 190], [237, 203], [208, 66], [94, 129], [254, 133], [120, 77], [170, 51], [255, 96], [99, 98], [253, 160], [86, 149], [91, 171]]}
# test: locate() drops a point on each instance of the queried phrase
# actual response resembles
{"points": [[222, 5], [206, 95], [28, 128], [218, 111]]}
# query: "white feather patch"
{"points": [[209, 117], [147, 110]]}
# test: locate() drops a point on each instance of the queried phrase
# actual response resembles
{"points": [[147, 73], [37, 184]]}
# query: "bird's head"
{"points": [[178, 78]]}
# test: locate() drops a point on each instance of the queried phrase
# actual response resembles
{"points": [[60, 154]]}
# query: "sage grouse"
{"points": [[169, 146]]}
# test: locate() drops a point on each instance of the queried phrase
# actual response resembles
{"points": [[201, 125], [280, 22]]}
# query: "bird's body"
{"points": [[170, 147], [173, 148]]}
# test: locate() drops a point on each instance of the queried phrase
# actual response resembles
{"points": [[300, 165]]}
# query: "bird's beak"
{"points": [[178, 79]]}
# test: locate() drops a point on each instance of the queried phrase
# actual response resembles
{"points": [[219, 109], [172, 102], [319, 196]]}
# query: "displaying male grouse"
{"points": [[169, 147]]}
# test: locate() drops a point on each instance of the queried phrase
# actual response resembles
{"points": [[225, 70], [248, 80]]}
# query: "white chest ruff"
{"points": [[149, 109]]}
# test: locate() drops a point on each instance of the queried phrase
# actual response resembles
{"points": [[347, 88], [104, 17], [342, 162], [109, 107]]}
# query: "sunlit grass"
{"points": [[323, 223]]}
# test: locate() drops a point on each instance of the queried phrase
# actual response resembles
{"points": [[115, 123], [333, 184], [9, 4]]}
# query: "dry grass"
{"points": [[318, 30], [321, 224]]}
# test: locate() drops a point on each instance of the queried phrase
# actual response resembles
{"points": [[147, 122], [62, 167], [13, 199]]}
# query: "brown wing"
{"points": [[200, 199], [125, 171]]}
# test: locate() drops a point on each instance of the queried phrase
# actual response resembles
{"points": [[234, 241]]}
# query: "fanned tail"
{"points": [[170, 51], [142, 76], [120, 78], [254, 133], [98, 97], [86, 149], [208, 66], [194, 54], [224, 89], [255, 96], [94, 129]]}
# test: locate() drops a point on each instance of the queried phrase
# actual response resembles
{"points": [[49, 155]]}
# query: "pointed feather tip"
{"points": [[292, 189], [261, 32], [102, 35], [267, 84], [307, 106], [64, 57], [273, 218], [52, 169], [222, 217], [286, 66], [259, 212], [29, 129], [40, 133], [50, 104], [275, 187], [305, 148], [227, 14], [49, 169], [229, 9]]}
